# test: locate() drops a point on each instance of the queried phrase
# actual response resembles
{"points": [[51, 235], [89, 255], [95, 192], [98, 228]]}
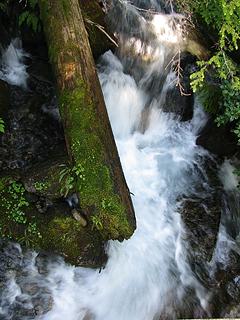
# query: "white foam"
{"points": [[149, 272], [13, 70], [228, 176]]}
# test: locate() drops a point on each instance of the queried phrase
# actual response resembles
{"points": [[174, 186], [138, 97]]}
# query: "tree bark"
{"points": [[99, 179]]}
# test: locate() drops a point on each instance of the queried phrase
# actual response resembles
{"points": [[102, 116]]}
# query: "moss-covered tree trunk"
{"points": [[99, 179]]}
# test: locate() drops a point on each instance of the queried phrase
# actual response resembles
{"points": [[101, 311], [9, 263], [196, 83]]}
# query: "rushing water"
{"points": [[13, 70], [148, 276]]}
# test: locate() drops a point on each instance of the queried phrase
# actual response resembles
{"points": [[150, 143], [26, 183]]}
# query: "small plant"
{"points": [[3, 5], [33, 230], [68, 176], [40, 186], [106, 204], [16, 203], [30, 17], [96, 223], [29, 234], [4, 233], [67, 181], [2, 126], [78, 170]]}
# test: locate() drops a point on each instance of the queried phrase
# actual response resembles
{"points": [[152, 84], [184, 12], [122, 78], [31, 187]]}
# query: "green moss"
{"points": [[67, 234], [55, 232], [65, 5], [90, 173], [94, 183]]}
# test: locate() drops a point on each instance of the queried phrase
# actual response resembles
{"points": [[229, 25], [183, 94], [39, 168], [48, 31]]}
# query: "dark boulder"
{"points": [[179, 98], [4, 98], [94, 18], [218, 140], [201, 219]]}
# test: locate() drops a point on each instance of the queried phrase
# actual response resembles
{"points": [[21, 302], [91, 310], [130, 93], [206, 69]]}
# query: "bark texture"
{"points": [[98, 175]]}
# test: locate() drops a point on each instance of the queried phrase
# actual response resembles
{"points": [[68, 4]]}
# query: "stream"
{"points": [[153, 275]]}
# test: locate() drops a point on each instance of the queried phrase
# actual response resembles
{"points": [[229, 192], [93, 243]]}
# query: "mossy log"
{"points": [[99, 180]]}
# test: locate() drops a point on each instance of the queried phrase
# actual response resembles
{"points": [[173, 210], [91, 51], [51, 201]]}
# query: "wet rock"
{"points": [[4, 98], [194, 42], [180, 100], [79, 217], [43, 260], [184, 102], [4, 34], [201, 219], [31, 135], [41, 77], [232, 312], [44, 179], [218, 140], [99, 42], [10, 258], [43, 204], [233, 288]]}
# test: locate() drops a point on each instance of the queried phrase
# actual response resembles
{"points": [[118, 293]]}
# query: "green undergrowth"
{"points": [[30, 16], [55, 231], [2, 126], [217, 80], [15, 223], [3, 5]]}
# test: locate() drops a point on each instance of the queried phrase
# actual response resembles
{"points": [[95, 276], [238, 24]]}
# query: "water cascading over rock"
{"points": [[151, 275]]}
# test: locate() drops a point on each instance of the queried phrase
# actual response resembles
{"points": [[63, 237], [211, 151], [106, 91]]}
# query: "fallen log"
{"points": [[96, 168]]}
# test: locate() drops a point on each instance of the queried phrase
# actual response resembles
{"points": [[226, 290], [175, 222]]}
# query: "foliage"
{"points": [[40, 186], [2, 126], [3, 5], [217, 81], [13, 207], [220, 15], [29, 16], [96, 223], [29, 234], [223, 16], [67, 180], [16, 213], [69, 175]]}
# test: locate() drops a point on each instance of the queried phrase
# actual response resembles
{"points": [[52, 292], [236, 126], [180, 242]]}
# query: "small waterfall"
{"points": [[148, 277], [12, 69], [229, 231]]}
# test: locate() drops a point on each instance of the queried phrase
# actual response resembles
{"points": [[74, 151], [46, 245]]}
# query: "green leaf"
{"points": [[2, 126], [23, 17]]}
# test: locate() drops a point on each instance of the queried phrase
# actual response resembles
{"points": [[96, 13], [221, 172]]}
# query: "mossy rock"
{"points": [[55, 232], [103, 208]]}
